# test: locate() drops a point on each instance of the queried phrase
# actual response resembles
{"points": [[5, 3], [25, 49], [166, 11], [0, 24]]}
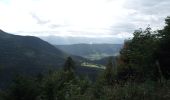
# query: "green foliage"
{"points": [[69, 65], [24, 89], [136, 91], [109, 73], [62, 86], [138, 57], [164, 50]]}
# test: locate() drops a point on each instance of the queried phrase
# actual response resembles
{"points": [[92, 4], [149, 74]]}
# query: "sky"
{"points": [[82, 18]]}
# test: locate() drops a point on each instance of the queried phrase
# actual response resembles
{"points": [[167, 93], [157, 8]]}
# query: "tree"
{"points": [[51, 85], [137, 59], [24, 88], [108, 72], [69, 65], [164, 50], [64, 84]]}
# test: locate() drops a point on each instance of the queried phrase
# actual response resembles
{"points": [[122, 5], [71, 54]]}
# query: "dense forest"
{"points": [[141, 72]]}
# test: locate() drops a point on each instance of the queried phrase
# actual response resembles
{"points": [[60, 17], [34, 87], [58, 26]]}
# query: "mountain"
{"points": [[28, 55], [28, 51], [91, 51], [59, 40]]}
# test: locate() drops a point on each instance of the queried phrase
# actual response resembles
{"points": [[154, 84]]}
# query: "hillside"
{"points": [[26, 55], [28, 51], [29, 55], [91, 51]]}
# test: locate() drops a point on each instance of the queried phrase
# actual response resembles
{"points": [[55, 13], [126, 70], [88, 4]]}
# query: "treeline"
{"points": [[146, 56], [141, 72], [56, 85]]}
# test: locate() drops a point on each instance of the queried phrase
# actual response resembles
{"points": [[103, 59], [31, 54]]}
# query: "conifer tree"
{"points": [[69, 65], [108, 73]]}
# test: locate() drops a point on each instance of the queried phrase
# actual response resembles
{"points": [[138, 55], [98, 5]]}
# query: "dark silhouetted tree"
{"points": [[24, 88], [164, 51], [137, 59], [108, 72], [69, 65]]}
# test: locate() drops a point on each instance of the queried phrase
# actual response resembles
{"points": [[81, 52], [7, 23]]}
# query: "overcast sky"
{"points": [[89, 18]]}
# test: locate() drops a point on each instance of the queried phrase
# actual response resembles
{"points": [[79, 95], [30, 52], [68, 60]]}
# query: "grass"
{"points": [[86, 64]]}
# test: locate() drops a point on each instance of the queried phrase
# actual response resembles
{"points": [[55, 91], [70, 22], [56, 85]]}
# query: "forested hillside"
{"points": [[28, 55]]}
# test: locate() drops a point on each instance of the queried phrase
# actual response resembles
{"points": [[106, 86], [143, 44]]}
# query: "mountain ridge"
{"points": [[26, 55], [91, 51]]}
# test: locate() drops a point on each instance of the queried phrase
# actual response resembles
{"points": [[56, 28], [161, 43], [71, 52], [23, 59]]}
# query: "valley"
{"points": [[91, 51], [28, 55]]}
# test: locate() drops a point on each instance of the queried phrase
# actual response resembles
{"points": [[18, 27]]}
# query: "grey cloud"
{"points": [[152, 12], [154, 7], [54, 26], [123, 27], [144, 3], [39, 20], [44, 22]]}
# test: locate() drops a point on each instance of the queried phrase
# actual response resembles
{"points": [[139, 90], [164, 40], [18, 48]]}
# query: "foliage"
{"points": [[62, 85], [137, 59], [69, 65], [164, 50], [148, 90], [24, 89]]}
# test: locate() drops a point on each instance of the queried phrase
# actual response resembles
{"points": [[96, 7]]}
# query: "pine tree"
{"points": [[108, 73], [69, 65]]}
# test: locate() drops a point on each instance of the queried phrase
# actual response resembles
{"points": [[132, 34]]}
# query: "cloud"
{"points": [[56, 26], [141, 14], [39, 21], [151, 12], [93, 18], [123, 27]]}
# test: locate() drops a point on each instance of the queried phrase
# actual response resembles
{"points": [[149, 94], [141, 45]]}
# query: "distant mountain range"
{"points": [[59, 40], [91, 51]]}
